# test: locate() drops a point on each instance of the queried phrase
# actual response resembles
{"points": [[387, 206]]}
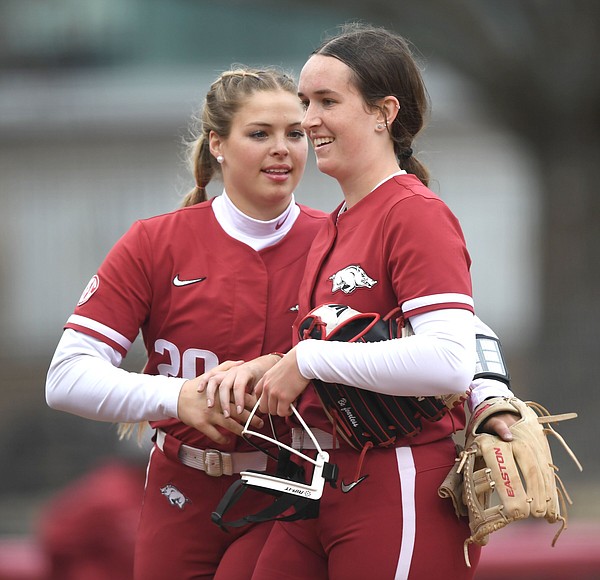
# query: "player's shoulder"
{"points": [[410, 186], [405, 199], [177, 217], [312, 213], [407, 196], [310, 221]]}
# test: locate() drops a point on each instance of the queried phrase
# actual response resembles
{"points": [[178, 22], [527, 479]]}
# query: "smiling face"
{"points": [[264, 155], [343, 130]]}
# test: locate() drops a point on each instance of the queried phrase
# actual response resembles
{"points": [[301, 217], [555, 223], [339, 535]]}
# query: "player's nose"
{"points": [[280, 147]]}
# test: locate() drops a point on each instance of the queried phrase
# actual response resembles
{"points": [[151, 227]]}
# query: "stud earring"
{"points": [[380, 126], [220, 159]]}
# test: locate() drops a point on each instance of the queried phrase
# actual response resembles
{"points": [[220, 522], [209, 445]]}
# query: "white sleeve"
{"points": [[438, 359], [482, 389], [84, 379]]}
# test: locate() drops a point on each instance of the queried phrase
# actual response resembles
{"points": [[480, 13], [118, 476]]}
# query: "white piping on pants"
{"points": [[407, 471]]}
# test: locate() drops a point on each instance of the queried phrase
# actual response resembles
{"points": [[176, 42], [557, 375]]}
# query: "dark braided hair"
{"points": [[382, 65]]}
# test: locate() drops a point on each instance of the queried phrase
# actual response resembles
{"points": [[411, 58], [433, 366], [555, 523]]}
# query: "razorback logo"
{"points": [[503, 472], [175, 497], [351, 278]]}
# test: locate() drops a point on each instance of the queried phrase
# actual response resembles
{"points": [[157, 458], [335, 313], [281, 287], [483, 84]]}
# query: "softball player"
{"points": [[213, 281], [391, 242]]}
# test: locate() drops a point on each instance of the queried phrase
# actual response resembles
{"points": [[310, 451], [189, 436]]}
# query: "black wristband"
{"points": [[490, 359]]}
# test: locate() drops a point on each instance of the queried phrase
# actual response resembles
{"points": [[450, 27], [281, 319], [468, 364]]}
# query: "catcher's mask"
{"points": [[294, 498]]}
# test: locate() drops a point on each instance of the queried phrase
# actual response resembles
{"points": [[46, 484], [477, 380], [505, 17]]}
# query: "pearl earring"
{"points": [[220, 159]]}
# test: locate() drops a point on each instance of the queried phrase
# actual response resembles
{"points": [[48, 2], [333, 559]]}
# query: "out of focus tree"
{"points": [[536, 64]]}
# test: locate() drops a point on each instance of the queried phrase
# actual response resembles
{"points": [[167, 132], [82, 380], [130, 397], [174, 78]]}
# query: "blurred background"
{"points": [[95, 101]]}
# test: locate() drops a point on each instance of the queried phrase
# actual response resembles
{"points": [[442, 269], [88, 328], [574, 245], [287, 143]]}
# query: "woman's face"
{"points": [[337, 121], [264, 154]]}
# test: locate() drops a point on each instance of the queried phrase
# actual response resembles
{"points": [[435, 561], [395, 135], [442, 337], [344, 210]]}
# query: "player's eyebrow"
{"points": [[319, 92], [268, 125], [259, 123]]}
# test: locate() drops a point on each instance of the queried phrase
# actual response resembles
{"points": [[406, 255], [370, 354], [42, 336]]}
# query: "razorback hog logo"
{"points": [[351, 278], [174, 496], [503, 472]]}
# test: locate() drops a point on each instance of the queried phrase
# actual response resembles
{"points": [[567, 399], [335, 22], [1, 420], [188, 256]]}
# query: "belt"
{"points": [[301, 439], [214, 462]]}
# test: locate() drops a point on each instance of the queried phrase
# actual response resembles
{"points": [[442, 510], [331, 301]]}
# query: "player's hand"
{"points": [[193, 410], [499, 424], [203, 379], [235, 384], [281, 386]]}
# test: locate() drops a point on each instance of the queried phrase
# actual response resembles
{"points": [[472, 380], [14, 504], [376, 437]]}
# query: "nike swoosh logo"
{"points": [[347, 487], [281, 221], [178, 282]]}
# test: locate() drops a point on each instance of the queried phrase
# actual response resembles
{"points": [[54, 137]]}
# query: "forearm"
{"points": [[438, 359], [84, 379]]}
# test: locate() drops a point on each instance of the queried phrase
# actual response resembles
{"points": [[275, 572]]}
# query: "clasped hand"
{"points": [[275, 380], [196, 409]]}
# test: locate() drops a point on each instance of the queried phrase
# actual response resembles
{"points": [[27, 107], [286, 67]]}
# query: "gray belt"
{"points": [[214, 462], [301, 440]]}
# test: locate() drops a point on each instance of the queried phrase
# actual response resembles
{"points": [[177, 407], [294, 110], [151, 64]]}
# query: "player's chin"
{"points": [[283, 189], [327, 167], [286, 182]]}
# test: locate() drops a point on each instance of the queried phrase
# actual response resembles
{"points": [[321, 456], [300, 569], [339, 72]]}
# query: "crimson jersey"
{"points": [[400, 245], [199, 296]]}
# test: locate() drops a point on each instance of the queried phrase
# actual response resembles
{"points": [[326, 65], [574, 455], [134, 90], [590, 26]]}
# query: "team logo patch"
{"points": [[175, 497], [91, 287], [351, 278]]}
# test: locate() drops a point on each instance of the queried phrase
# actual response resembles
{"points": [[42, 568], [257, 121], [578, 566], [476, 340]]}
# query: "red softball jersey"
{"points": [[199, 296], [399, 246]]}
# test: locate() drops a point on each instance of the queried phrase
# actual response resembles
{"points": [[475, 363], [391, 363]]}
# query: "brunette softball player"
{"points": [[214, 281], [392, 242]]}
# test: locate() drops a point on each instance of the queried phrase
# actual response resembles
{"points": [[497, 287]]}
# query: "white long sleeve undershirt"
{"points": [[438, 359], [84, 379]]}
